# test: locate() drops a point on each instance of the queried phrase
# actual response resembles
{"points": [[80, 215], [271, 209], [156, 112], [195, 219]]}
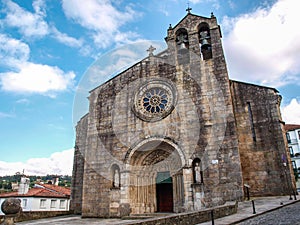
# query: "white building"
{"points": [[293, 139], [42, 197]]}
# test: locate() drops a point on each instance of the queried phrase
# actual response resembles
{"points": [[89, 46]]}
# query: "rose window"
{"points": [[154, 100]]}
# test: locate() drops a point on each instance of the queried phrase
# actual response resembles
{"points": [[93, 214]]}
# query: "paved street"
{"points": [[75, 220], [283, 216], [263, 205]]}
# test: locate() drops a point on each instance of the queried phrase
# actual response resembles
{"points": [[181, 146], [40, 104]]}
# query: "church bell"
{"points": [[205, 44], [182, 48]]}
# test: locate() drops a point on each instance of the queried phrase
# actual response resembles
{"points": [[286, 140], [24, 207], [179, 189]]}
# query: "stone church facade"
{"points": [[173, 133]]}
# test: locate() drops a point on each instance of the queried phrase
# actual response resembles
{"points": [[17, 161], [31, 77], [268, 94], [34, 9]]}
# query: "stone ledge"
{"points": [[33, 215]]}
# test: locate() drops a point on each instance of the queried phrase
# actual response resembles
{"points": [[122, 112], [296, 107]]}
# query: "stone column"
{"points": [[125, 208], [188, 191]]}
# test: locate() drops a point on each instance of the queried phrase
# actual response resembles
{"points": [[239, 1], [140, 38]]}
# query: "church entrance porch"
{"points": [[155, 169]]}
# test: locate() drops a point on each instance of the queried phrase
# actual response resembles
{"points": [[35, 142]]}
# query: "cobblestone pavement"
{"points": [[287, 215]]}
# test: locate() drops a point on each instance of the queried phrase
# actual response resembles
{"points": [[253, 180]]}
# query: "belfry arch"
{"points": [[155, 181]]}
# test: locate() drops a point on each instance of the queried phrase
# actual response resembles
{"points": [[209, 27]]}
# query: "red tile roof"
{"points": [[45, 190], [59, 189], [290, 127]]}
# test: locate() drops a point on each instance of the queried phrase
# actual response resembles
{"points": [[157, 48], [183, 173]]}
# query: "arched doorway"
{"points": [[154, 166]]}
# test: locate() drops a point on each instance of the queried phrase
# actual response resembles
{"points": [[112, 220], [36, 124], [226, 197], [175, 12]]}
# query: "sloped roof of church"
{"points": [[191, 14], [123, 71], [160, 54], [256, 85]]}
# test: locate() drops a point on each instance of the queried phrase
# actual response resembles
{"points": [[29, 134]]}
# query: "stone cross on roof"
{"points": [[151, 49]]}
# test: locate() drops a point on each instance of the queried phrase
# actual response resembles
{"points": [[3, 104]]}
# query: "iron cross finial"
{"points": [[188, 8], [151, 49]]}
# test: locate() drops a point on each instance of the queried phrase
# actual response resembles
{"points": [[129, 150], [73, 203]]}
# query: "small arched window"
{"points": [[115, 176], [197, 171], [205, 41]]}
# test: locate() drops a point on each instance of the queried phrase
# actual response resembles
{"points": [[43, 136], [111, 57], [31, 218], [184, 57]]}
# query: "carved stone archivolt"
{"points": [[146, 162]]}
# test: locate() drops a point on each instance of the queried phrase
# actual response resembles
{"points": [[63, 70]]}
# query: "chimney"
{"points": [[55, 180], [24, 186]]}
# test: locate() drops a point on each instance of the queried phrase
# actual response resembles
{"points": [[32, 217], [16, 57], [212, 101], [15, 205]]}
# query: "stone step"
{"points": [[146, 215]]}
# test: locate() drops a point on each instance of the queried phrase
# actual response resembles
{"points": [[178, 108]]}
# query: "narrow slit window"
{"points": [[251, 121]]}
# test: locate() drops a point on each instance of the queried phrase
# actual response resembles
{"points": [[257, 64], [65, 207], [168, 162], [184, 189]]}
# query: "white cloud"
{"points": [[12, 51], [39, 7], [264, 46], [195, 1], [60, 163], [36, 78], [291, 112], [23, 101], [34, 24], [102, 18], [6, 115], [29, 24], [28, 77], [66, 39]]}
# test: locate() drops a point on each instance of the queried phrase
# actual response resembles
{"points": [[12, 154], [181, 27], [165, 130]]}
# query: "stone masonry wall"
{"points": [[78, 166], [261, 140], [35, 215]]}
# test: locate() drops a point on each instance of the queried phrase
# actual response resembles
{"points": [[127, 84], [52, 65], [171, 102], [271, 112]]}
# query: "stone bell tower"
{"points": [[195, 48], [197, 40]]}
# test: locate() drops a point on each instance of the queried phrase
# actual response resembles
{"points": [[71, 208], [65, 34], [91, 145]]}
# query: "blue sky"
{"points": [[47, 47]]}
